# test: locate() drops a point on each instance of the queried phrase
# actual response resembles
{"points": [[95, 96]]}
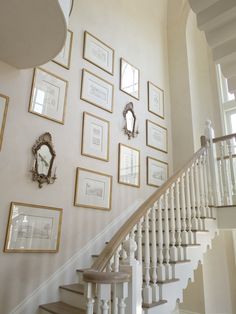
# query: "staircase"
{"points": [[149, 261], [217, 18]]}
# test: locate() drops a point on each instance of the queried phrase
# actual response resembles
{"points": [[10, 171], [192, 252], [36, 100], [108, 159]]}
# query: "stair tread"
{"points": [[74, 287], [61, 308], [153, 304], [167, 281]]}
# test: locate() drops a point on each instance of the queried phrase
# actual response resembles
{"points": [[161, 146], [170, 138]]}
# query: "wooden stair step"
{"points": [[61, 308], [75, 288], [153, 304]]}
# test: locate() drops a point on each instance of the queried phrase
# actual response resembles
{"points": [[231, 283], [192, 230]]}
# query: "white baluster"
{"points": [[193, 198], [166, 235], [225, 178], [122, 294], [178, 220], [198, 201], [202, 190], [173, 249], [155, 296], [189, 213], [209, 179], [206, 190], [221, 181], [231, 166], [160, 266], [104, 295], [184, 233], [116, 267], [90, 298], [139, 241], [147, 291]]}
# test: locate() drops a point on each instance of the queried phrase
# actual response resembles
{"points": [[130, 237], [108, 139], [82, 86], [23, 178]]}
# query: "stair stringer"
{"points": [[173, 292]]}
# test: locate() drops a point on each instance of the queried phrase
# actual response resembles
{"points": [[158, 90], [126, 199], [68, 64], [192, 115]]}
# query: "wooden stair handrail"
{"points": [[105, 277], [110, 249], [224, 138]]}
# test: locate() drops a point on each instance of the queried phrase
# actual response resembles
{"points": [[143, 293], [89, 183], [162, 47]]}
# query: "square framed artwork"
{"points": [[156, 136], [64, 57], [93, 189], [129, 79], [156, 100], [157, 172], [95, 137], [4, 100], [129, 166], [98, 53], [33, 228], [97, 91], [48, 96]]}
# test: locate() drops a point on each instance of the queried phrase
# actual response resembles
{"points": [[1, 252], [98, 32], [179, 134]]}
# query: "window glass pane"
{"points": [[233, 122]]}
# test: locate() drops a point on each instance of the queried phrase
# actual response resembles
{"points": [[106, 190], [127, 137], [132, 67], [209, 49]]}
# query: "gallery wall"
{"points": [[137, 32]]}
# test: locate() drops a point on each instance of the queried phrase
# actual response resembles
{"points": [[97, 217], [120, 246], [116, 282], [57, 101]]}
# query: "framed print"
{"points": [[156, 136], [155, 100], [64, 57], [33, 228], [98, 53], [48, 96], [97, 91], [95, 137], [157, 172], [4, 100], [93, 189], [129, 166], [129, 79]]}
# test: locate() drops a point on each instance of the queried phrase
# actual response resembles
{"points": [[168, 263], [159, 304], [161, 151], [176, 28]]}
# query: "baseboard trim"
{"points": [[48, 290]]}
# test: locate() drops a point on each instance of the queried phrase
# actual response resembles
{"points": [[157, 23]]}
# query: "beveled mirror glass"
{"points": [[44, 156], [130, 121], [129, 79]]}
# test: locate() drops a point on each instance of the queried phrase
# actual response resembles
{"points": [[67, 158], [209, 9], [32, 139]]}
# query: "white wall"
{"points": [[137, 32]]}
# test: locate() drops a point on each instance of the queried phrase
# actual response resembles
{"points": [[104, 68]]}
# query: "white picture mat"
{"points": [[49, 93], [156, 136], [97, 91], [156, 97], [93, 189], [2, 112], [157, 172], [95, 137], [129, 167], [63, 57], [98, 53], [129, 79], [33, 228]]}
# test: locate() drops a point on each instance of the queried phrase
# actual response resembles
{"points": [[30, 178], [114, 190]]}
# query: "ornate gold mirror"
{"points": [[130, 121], [44, 155]]}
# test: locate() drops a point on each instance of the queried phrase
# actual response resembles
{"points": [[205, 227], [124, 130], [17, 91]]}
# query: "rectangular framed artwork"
{"points": [[129, 166], [93, 189], [97, 91], [4, 100], [129, 79], [95, 137], [33, 228], [64, 57], [98, 53], [157, 172], [48, 96], [155, 100], [156, 136]]}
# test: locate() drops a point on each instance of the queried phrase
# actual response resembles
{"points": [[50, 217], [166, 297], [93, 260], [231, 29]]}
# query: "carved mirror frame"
{"points": [[44, 139], [129, 108]]}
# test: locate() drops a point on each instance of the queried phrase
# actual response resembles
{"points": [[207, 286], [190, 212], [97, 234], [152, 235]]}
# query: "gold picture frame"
{"points": [[129, 165], [157, 171], [98, 53], [156, 136], [156, 99], [90, 91], [47, 100], [64, 57], [4, 102], [93, 189], [33, 229], [95, 137], [129, 79]]}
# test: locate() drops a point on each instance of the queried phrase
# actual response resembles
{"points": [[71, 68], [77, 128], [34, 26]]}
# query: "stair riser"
{"points": [[73, 299]]}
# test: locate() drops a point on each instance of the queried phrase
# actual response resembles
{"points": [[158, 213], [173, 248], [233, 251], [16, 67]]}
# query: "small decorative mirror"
{"points": [[44, 155], [130, 121]]}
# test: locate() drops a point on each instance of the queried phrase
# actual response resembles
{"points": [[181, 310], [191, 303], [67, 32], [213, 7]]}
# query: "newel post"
{"points": [[134, 268], [209, 135]]}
